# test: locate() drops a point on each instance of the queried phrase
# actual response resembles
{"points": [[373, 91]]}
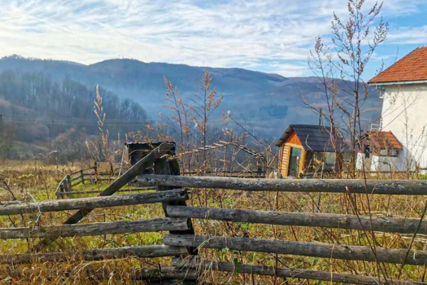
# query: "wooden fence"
{"points": [[82, 176], [105, 200], [183, 243], [91, 178]]}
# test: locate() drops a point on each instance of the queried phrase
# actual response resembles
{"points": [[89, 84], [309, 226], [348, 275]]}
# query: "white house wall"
{"points": [[381, 163], [378, 163], [404, 113]]}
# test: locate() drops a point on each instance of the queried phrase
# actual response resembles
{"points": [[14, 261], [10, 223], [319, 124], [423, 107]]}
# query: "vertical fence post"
{"points": [[82, 176], [95, 170], [68, 182], [60, 193], [168, 166]]}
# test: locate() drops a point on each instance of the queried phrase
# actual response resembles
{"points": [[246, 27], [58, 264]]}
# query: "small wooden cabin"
{"points": [[307, 149]]}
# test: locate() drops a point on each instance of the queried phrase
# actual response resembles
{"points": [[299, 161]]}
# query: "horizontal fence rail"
{"points": [[386, 187], [148, 251], [93, 202], [338, 221], [153, 225], [323, 250], [289, 273], [162, 275], [87, 192]]}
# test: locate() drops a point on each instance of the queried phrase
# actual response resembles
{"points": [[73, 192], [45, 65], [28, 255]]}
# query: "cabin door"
{"points": [[294, 161]]}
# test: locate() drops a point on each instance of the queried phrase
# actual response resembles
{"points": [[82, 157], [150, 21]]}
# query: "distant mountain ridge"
{"points": [[265, 103]]}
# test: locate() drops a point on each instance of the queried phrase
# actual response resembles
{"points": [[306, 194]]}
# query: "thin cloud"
{"points": [[261, 35]]}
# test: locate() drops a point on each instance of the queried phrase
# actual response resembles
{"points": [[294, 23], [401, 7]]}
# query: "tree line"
{"points": [[35, 99], [38, 109]]}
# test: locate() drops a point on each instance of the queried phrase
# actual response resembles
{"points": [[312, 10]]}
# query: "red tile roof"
{"points": [[382, 140], [412, 67]]}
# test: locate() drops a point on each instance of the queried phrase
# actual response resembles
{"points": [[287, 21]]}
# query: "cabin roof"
{"points": [[412, 67], [148, 144], [312, 137], [381, 140]]}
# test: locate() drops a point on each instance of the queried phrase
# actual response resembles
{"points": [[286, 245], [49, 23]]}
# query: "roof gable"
{"points": [[312, 137], [382, 140], [412, 67], [293, 138]]}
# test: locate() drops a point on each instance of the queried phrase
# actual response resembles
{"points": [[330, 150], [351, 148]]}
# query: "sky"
{"points": [[273, 36]]}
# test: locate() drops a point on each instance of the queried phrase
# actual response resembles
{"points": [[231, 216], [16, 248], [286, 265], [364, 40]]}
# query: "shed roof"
{"points": [[412, 67], [382, 140], [313, 138]]}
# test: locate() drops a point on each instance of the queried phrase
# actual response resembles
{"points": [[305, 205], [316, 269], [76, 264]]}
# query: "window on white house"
{"points": [[389, 152]]}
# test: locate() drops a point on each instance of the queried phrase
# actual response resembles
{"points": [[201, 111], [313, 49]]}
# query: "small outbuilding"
{"points": [[379, 151], [306, 149], [137, 150]]}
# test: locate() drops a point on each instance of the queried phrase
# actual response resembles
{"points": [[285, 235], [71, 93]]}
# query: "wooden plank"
{"points": [[96, 254], [158, 274], [150, 274], [127, 177], [387, 187], [338, 221], [153, 225], [99, 191], [174, 282], [323, 250], [292, 273], [68, 183], [92, 202]]}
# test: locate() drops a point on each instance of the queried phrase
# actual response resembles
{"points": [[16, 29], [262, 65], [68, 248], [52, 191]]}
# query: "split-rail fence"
{"points": [[89, 180], [183, 243]]}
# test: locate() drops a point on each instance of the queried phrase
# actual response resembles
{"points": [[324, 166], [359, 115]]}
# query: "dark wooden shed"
{"points": [[137, 150]]}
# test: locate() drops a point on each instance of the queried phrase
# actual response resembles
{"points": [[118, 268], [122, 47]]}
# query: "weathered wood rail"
{"points": [[336, 251], [184, 243], [150, 275], [96, 254], [354, 186], [288, 273], [336, 221], [153, 225], [92, 202]]}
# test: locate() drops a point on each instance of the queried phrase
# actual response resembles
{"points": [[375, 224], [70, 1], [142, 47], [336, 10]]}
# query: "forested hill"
{"points": [[41, 108], [265, 103]]}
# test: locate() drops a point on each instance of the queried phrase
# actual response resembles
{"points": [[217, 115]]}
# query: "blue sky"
{"points": [[270, 36]]}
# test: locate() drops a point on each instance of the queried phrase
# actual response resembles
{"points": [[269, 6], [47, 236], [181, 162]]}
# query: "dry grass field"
{"points": [[29, 181]]}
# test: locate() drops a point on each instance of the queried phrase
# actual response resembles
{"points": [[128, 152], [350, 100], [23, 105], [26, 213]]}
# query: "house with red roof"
{"points": [[379, 151], [402, 141]]}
